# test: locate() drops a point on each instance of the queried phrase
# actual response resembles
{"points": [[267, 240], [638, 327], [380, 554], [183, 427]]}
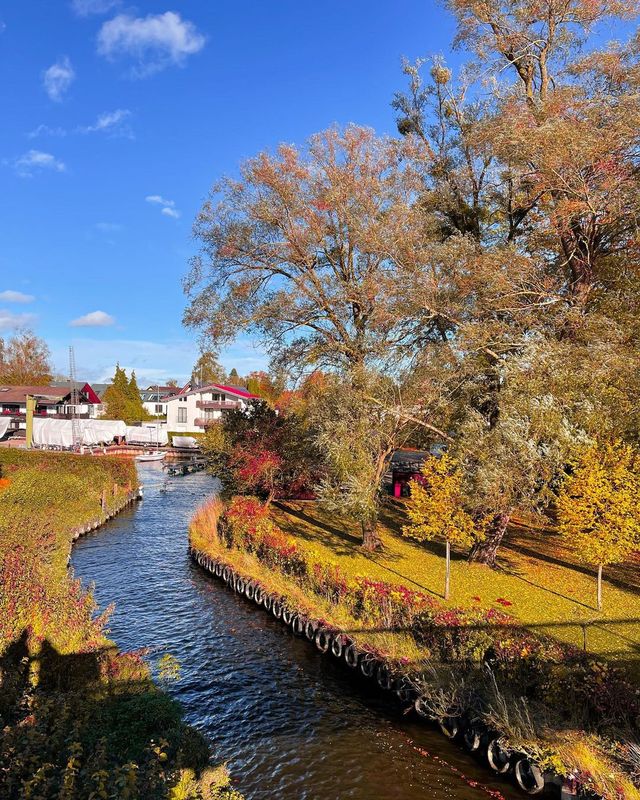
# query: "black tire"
{"points": [[299, 624], [498, 757], [258, 595], [450, 726], [276, 609], [337, 645], [250, 590], [404, 690], [529, 776], [287, 616], [472, 738], [383, 677], [310, 630], [421, 708], [240, 585], [226, 574], [267, 602], [351, 656], [323, 639], [368, 665], [219, 569]]}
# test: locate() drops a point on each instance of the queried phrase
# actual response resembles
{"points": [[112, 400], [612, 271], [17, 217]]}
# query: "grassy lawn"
{"points": [[546, 590]]}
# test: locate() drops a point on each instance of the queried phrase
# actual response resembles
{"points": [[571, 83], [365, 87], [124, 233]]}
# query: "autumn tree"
{"points": [[436, 509], [122, 398], [599, 506], [25, 360], [207, 369]]}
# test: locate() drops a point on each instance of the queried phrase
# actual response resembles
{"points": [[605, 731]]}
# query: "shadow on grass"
{"points": [[68, 718]]}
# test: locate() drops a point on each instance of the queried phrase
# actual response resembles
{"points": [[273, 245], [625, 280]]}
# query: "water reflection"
{"points": [[291, 724]]}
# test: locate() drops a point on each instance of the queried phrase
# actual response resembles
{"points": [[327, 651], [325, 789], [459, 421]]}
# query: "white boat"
{"points": [[150, 457]]}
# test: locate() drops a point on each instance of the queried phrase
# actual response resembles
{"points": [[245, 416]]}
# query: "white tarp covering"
{"points": [[137, 434], [59, 432], [184, 441], [4, 426]]}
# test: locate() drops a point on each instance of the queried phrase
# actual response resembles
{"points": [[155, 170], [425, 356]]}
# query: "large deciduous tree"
{"points": [[25, 360]]}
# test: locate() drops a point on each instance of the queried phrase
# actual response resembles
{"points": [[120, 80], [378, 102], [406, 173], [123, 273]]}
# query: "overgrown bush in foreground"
{"points": [[561, 687], [78, 719]]}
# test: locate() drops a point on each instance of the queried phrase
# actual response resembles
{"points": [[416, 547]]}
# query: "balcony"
{"points": [[205, 422], [217, 405]]}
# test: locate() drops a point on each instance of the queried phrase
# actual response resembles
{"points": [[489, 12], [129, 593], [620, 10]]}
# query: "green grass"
{"points": [[548, 592]]}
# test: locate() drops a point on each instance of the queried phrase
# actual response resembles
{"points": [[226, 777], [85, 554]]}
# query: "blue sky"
{"points": [[108, 104]]}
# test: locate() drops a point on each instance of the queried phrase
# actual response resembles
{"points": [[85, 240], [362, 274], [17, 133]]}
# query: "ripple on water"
{"points": [[291, 724]]}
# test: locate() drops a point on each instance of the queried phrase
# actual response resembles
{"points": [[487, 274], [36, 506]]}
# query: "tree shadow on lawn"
{"points": [[114, 718]]}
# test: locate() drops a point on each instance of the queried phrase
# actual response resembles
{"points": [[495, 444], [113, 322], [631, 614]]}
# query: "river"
{"points": [[290, 723]]}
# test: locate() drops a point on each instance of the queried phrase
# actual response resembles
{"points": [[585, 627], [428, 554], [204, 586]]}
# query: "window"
{"points": [[159, 408], [182, 415]]}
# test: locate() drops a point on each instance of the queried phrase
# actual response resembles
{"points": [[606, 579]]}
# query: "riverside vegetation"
{"points": [[569, 710], [78, 719]]}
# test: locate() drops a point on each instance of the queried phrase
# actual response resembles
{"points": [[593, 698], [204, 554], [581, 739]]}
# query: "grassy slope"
{"points": [[546, 590], [77, 719]]}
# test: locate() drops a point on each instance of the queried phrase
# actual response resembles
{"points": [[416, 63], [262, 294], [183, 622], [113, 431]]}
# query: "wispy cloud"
{"points": [[153, 42], [58, 78], [94, 319], [10, 321], [45, 130], [35, 161], [84, 8], [11, 296], [111, 123], [168, 206], [108, 227]]}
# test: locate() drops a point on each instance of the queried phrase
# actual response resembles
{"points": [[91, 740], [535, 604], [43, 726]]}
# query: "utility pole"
{"points": [[76, 434], [31, 407]]}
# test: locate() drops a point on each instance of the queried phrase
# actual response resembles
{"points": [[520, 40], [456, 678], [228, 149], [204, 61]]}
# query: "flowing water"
{"points": [[290, 723]]}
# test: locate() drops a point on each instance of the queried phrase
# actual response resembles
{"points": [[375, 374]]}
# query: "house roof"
{"points": [[219, 387], [47, 395]]}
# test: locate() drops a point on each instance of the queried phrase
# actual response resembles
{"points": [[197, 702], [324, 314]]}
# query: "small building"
{"points": [[193, 411], [154, 399], [53, 402], [405, 466]]}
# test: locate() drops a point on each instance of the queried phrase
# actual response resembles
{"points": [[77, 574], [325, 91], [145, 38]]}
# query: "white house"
{"points": [[154, 399], [193, 411]]}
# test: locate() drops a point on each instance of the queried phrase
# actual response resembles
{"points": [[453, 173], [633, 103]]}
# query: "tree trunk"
{"points": [[485, 551], [447, 574], [370, 539], [600, 587]]}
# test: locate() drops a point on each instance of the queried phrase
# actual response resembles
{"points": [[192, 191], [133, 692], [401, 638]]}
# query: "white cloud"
{"points": [[170, 212], [153, 42], [168, 206], [97, 319], [9, 320], [58, 78], [83, 8], [11, 296], [111, 122], [108, 227], [45, 130], [34, 160]]}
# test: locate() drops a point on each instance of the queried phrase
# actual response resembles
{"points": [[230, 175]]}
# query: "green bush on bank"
{"points": [[78, 719]]}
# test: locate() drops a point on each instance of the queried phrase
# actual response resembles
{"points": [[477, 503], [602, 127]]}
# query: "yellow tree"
{"points": [[435, 509], [598, 506]]}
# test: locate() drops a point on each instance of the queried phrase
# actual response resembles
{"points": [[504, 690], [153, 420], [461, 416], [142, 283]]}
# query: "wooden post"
{"points": [[31, 407], [599, 587], [447, 578]]}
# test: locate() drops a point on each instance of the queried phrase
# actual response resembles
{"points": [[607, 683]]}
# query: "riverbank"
{"points": [[440, 649], [78, 718]]}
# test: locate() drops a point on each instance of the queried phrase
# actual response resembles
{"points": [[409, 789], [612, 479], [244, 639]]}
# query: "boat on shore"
{"points": [[150, 457]]}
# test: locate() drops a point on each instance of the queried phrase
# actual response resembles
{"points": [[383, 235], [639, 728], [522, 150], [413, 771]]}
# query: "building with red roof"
{"points": [[194, 410]]}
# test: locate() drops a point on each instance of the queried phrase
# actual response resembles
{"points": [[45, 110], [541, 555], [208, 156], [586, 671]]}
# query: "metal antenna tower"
{"points": [[75, 423]]}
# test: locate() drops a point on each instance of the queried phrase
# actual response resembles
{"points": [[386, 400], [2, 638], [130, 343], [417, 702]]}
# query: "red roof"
{"points": [[220, 387], [91, 396]]}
